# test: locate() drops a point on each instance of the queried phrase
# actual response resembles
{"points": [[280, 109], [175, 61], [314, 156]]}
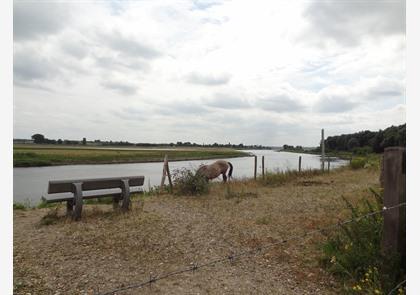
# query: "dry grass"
{"points": [[109, 249]]}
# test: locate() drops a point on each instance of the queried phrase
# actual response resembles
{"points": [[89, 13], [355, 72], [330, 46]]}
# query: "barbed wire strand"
{"points": [[396, 287], [232, 257]]}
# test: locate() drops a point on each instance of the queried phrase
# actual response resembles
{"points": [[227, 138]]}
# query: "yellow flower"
{"points": [[377, 291]]}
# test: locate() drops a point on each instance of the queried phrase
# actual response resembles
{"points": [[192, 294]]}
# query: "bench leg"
{"points": [[78, 200], [69, 210], [125, 191]]}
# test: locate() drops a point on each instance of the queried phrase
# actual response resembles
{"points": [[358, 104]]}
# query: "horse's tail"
{"points": [[230, 170]]}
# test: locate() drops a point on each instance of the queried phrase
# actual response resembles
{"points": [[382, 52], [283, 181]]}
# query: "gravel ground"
{"points": [[108, 250]]}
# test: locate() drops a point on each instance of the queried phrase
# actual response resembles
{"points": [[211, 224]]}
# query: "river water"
{"points": [[30, 184]]}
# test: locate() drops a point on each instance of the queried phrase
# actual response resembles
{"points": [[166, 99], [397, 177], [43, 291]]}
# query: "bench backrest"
{"points": [[65, 186]]}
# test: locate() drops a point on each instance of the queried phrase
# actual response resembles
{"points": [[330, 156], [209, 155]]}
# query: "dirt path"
{"points": [[108, 250]]}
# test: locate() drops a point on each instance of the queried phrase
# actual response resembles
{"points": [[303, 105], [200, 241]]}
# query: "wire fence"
{"points": [[396, 287], [258, 250]]}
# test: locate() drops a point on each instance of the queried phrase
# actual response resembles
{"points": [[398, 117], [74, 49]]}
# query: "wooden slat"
{"points": [[118, 195], [65, 186]]}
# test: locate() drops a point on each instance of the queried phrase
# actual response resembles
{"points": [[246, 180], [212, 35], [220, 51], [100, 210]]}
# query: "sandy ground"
{"points": [[108, 250]]}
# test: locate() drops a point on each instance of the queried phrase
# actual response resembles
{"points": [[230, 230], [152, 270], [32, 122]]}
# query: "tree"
{"points": [[38, 138], [84, 141], [353, 143], [59, 141]]}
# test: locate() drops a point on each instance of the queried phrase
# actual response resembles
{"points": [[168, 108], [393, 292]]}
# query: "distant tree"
{"points": [[38, 138], [84, 141], [352, 143], [59, 141]]}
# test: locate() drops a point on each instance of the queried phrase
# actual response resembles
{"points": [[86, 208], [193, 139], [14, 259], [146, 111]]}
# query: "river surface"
{"points": [[30, 184]]}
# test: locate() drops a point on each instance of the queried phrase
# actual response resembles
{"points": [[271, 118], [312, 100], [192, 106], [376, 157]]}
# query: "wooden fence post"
{"points": [[169, 176], [328, 159], [255, 167], [393, 239], [322, 150], [262, 167], [300, 163], [165, 173]]}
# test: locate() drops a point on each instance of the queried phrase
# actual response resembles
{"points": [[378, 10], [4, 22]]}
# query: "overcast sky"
{"points": [[257, 72]]}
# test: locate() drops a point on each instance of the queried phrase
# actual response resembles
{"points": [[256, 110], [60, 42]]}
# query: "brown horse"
{"points": [[214, 170]]}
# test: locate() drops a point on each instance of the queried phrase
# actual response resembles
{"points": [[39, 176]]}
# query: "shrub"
{"points": [[354, 253], [358, 163], [188, 183], [366, 150]]}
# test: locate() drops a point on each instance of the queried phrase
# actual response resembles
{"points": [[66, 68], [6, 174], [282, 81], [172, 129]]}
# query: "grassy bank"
{"points": [[163, 233], [33, 156]]}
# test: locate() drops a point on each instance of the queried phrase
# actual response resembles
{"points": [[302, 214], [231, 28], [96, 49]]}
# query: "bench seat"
{"points": [[77, 186]]}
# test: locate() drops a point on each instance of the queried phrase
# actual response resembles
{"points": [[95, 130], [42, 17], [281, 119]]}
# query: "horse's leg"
{"points": [[224, 177]]}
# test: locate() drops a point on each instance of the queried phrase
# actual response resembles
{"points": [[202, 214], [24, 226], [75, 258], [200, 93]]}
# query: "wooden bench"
{"points": [[75, 202]]}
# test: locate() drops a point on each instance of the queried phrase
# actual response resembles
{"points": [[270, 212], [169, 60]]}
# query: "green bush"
{"points": [[358, 163], [188, 183], [366, 150], [354, 253]]}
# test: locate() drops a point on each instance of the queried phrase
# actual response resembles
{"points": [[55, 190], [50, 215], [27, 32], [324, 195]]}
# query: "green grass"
{"points": [[32, 156], [19, 206]]}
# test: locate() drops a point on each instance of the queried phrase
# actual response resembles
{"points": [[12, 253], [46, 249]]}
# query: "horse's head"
{"points": [[203, 171]]}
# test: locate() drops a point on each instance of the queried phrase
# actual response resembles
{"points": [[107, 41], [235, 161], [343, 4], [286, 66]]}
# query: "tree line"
{"points": [[41, 139], [367, 141]]}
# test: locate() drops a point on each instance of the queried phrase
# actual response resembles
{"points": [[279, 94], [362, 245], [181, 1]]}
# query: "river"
{"points": [[30, 184]]}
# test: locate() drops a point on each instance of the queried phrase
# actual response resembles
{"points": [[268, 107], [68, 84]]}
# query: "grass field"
{"points": [[34, 155]]}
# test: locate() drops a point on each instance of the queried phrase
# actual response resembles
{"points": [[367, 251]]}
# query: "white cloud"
{"points": [[207, 71]]}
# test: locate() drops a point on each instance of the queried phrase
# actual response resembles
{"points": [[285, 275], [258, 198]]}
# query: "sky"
{"points": [[251, 72]]}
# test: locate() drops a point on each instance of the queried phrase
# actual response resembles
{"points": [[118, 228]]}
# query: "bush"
{"points": [[366, 150], [354, 253], [358, 163], [188, 183]]}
